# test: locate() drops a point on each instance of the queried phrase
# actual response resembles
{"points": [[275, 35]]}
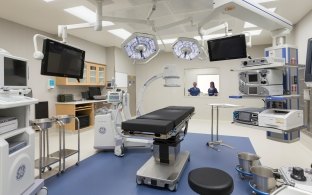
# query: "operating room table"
{"points": [[167, 126]]}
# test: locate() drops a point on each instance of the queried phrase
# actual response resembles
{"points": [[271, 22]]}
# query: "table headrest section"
{"points": [[148, 125]]}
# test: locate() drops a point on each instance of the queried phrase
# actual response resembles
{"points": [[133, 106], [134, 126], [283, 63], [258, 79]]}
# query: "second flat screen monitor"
{"points": [[227, 48]]}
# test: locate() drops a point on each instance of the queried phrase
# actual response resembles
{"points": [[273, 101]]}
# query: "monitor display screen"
{"points": [[308, 71], [252, 78], [15, 72], [62, 60], [253, 90], [244, 116], [227, 48]]}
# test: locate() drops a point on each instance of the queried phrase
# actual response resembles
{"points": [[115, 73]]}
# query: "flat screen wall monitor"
{"points": [[308, 70], [62, 60], [13, 72], [227, 48]]}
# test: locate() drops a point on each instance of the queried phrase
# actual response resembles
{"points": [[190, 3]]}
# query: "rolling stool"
{"points": [[210, 181]]}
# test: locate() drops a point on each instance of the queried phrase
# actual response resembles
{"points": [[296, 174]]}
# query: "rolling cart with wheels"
{"points": [[63, 153], [45, 159]]}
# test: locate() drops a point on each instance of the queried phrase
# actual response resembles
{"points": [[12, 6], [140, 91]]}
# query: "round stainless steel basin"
{"points": [[64, 118], [263, 178], [39, 124], [248, 160]]}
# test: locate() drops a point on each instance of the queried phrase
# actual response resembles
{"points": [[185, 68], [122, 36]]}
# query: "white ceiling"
{"points": [[46, 16]]}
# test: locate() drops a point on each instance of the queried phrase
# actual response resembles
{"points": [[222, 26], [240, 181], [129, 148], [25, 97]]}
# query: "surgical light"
{"points": [[141, 47], [186, 48]]}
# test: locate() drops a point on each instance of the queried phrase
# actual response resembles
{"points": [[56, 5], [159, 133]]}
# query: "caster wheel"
{"points": [[62, 171], [43, 191], [139, 181], [173, 187], [42, 170], [242, 177], [58, 174], [49, 168], [207, 143], [77, 163]]}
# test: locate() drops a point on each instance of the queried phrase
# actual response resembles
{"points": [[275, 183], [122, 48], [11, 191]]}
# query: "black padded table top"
{"points": [[159, 121], [147, 125], [176, 116]]}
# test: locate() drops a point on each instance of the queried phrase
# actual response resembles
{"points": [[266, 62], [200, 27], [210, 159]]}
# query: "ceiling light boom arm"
{"points": [[173, 24], [99, 10], [127, 20]]}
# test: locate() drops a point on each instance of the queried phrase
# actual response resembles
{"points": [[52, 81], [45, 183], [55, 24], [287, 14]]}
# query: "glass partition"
{"points": [[201, 82]]}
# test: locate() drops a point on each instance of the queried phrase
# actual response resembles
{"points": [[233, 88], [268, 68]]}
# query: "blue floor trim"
{"points": [[106, 174]]}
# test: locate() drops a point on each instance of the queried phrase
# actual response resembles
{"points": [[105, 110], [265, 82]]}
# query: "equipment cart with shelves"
{"points": [[45, 160], [17, 150], [64, 152]]}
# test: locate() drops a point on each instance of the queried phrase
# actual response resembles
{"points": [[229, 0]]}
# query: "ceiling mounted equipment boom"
{"points": [[252, 12]]}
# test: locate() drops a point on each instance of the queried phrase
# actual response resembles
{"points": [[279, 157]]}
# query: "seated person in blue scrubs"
{"points": [[212, 91], [194, 91]]}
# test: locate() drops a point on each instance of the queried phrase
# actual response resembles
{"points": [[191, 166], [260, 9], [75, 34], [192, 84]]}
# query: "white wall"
{"points": [[157, 96], [17, 39], [303, 31], [123, 63]]}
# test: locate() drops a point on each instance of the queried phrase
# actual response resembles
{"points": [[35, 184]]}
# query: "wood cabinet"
{"points": [[93, 75], [80, 108], [76, 110]]}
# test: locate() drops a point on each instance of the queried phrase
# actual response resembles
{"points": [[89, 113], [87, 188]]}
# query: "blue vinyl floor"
{"points": [[106, 174]]}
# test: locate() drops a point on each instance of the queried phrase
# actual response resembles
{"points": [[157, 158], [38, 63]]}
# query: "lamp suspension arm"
{"points": [[142, 92], [98, 21], [127, 20], [207, 31], [173, 24], [152, 10]]}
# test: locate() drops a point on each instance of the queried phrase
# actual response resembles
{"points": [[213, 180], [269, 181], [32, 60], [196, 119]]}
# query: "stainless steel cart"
{"points": [[63, 153], [45, 159]]}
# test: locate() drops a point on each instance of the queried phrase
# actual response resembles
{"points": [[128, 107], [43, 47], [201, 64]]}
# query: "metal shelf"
{"points": [[282, 66], [271, 98], [268, 128], [46, 162], [68, 153]]}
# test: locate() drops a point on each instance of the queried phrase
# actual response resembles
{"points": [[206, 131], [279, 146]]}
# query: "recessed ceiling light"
{"points": [[249, 25], [253, 32], [121, 33], [212, 36], [48, 1], [86, 14], [166, 41]]}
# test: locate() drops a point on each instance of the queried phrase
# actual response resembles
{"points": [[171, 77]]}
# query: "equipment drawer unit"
{"points": [[284, 136], [247, 115], [84, 121], [77, 109], [262, 77]]}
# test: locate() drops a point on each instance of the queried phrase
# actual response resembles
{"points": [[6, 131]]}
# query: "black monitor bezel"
{"points": [[243, 38], [44, 62]]}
